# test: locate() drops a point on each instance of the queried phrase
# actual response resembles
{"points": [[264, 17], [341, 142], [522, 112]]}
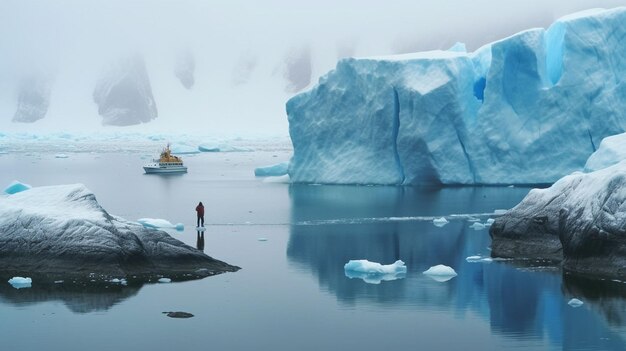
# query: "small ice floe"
{"points": [[119, 281], [272, 171], [472, 219], [374, 272], [262, 239], [20, 282], [58, 281], [476, 259], [61, 156], [489, 222], [165, 280], [575, 303], [477, 226], [440, 222], [279, 179], [440, 273], [499, 212], [16, 187], [160, 223]]}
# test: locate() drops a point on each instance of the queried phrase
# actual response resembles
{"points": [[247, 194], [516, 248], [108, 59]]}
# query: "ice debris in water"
{"points": [[440, 273], [262, 239], [477, 226], [575, 303], [61, 156], [273, 170], [473, 259], [489, 222], [499, 212], [160, 223], [20, 282], [440, 222], [16, 187], [165, 280], [373, 272]]}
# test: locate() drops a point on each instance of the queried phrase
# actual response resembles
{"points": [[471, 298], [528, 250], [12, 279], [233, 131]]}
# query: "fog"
{"points": [[220, 67]]}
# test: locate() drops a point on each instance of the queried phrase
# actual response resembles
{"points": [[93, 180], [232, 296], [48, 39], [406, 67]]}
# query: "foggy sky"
{"points": [[248, 57]]}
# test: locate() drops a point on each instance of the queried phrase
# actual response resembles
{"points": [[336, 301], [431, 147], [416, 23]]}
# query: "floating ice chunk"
{"points": [[477, 226], [165, 280], [183, 149], [273, 170], [61, 156], [58, 281], [373, 272], [475, 259], [472, 219], [20, 282], [575, 303], [215, 147], [440, 273], [160, 223], [490, 221], [440, 222], [16, 187], [499, 212], [281, 179], [262, 239]]}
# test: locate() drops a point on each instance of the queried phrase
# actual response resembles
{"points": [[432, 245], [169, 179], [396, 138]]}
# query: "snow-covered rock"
{"points": [[16, 187], [20, 282], [63, 230], [530, 108], [440, 273], [373, 272], [273, 170], [160, 223], [33, 98], [579, 219], [612, 150], [124, 95]]}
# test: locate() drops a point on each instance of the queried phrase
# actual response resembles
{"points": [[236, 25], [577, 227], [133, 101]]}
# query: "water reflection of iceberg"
{"points": [[517, 303]]}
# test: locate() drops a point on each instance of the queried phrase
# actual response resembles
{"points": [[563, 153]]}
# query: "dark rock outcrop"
{"points": [[581, 219], [124, 95], [33, 99]]}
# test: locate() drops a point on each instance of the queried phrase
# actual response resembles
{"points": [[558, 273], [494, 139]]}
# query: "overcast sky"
{"points": [[250, 56]]}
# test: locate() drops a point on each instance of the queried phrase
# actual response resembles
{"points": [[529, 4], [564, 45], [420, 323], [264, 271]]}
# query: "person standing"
{"points": [[200, 212]]}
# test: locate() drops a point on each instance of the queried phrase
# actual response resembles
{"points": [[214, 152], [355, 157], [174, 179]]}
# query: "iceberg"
{"points": [[440, 222], [181, 149], [579, 220], [160, 223], [527, 109], [215, 147], [273, 170], [440, 273], [16, 187], [373, 272], [612, 150], [20, 282], [62, 231]]}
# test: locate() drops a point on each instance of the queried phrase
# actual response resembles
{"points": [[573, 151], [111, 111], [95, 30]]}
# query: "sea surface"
{"points": [[291, 242]]}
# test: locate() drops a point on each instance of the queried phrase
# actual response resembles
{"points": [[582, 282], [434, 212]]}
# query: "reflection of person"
{"points": [[200, 241], [200, 212]]}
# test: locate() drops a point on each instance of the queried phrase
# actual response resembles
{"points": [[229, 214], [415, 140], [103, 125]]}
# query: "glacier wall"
{"points": [[527, 109]]}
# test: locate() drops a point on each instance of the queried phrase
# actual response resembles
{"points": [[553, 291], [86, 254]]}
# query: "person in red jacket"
{"points": [[200, 212]]}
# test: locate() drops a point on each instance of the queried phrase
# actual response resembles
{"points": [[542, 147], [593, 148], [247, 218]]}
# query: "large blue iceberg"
{"points": [[527, 109]]}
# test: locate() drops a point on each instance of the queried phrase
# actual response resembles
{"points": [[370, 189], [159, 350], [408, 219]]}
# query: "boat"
{"points": [[167, 163]]}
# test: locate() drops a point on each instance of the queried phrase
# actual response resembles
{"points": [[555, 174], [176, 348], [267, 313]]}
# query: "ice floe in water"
{"points": [[160, 223], [61, 156], [16, 187], [499, 212], [165, 280], [440, 273], [181, 149], [575, 303], [273, 170], [440, 222], [477, 226], [374, 272], [221, 147], [473, 259], [20, 282]]}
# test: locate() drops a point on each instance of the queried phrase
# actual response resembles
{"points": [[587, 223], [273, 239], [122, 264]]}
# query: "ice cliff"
{"points": [[530, 108], [124, 95], [580, 220], [63, 230]]}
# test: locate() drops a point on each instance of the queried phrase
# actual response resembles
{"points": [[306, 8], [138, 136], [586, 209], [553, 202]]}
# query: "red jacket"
{"points": [[200, 210]]}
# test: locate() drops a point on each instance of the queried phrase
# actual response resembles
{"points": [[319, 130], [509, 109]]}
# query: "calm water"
{"points": [[292, 293]]}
